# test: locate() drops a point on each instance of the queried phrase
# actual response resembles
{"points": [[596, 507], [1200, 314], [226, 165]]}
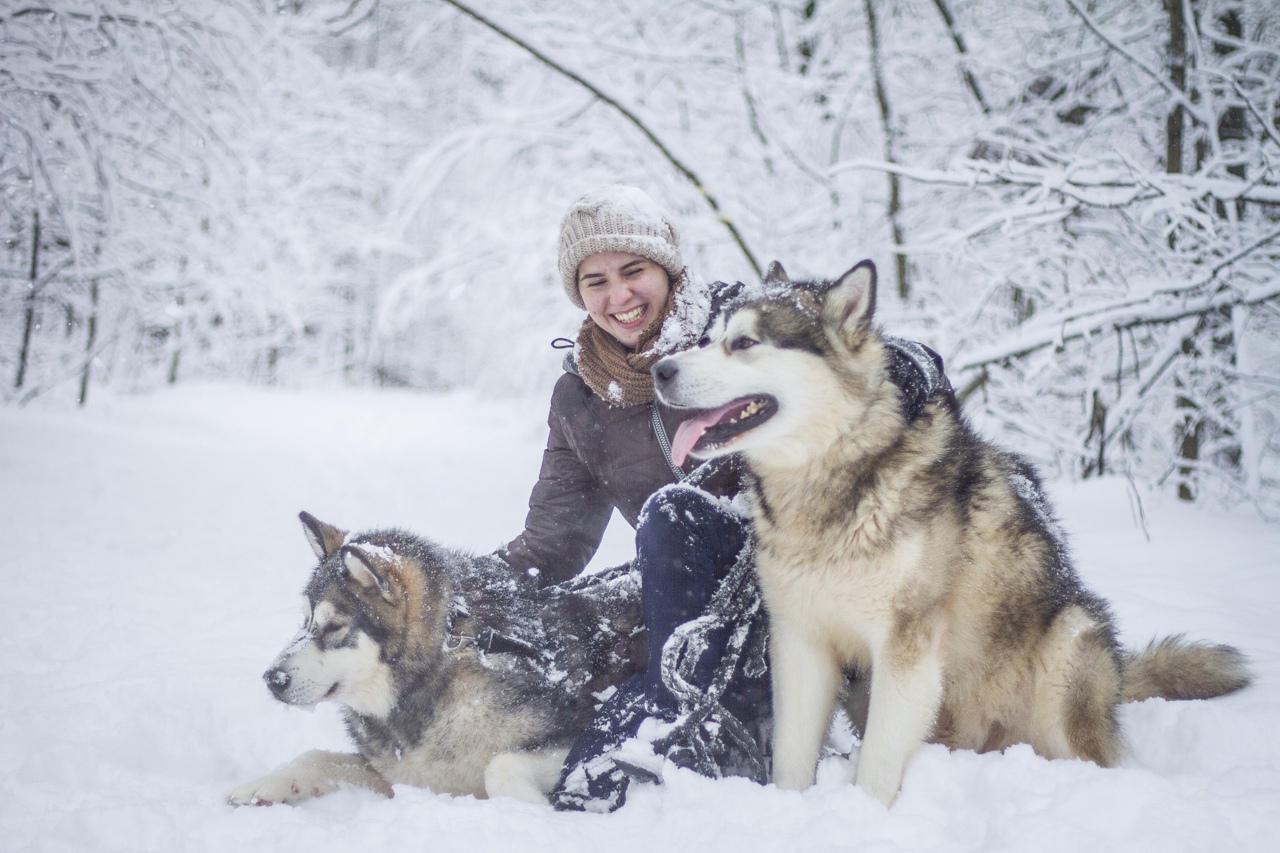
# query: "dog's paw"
{"points": [[272, 790], [312, 774]]}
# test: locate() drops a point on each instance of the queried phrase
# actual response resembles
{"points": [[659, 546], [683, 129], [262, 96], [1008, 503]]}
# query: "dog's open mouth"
{"points": [[712, 428]]}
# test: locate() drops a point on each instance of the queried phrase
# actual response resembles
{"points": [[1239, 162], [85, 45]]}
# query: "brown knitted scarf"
{"points": [[617, 375]]}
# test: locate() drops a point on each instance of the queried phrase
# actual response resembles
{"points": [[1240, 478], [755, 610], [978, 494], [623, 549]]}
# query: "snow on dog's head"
{"points": [[782, 371]]}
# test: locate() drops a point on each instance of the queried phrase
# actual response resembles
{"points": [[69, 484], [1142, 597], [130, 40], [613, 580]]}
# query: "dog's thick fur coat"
{"points": [[402, 632], [912, 551]]}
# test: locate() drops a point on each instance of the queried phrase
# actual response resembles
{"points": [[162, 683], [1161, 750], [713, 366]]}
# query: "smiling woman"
{"points": [[620, 261]]}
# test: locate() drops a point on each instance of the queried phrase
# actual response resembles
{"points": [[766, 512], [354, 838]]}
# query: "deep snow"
{"points": [[152, 567]]}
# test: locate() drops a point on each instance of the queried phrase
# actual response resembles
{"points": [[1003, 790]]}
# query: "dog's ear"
{"points": [[776, 274], [325, 539], [363, 568], [851, 301]]}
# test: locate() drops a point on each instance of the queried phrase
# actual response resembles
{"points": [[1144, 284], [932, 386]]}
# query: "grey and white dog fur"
{"points": [[913, 551], [455, 675]]}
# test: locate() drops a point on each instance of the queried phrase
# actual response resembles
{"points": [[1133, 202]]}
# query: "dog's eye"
{"points": [[333, 632], [704, 342], [742, 342]]}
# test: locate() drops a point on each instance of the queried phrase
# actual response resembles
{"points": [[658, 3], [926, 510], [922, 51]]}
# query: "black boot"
{"points": [[595, 778]]}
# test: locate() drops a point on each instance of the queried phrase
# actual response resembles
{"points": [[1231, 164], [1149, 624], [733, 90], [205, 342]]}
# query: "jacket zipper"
{"points": [[661, 432]]}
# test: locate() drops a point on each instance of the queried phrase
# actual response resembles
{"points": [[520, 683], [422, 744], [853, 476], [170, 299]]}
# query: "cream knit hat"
{"points": [[616, 218]]}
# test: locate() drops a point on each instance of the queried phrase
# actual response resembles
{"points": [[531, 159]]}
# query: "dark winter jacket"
{"points": [[598, 457]]}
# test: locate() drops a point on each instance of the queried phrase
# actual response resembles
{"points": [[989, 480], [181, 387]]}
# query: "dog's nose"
{"points": [[665, 370], [277, 680]]}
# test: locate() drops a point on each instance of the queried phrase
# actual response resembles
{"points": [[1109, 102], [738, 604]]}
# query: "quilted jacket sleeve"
{"points": [[568, 509]]}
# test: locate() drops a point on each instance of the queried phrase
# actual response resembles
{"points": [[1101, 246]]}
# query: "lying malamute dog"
{"points": [[912, 550], [454, 676]]}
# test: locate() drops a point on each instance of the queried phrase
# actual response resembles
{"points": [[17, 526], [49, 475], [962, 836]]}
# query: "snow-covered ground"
{"points": [[151, 569]]}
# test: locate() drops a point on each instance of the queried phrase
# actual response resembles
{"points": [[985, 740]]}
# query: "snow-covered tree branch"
{"points": [[1083, 197]]}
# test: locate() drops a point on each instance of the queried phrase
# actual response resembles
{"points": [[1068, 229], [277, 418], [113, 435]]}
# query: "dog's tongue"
{"points": [[688, 433]]}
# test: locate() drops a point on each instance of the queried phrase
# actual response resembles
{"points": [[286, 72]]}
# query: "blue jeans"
{"points": [[686, 544]]}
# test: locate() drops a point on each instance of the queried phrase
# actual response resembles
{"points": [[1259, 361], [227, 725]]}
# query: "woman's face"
{"points": [[623, 293]]}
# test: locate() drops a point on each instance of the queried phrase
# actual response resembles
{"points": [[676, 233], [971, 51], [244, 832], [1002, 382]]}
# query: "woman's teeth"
{"points": [[630, 316]]}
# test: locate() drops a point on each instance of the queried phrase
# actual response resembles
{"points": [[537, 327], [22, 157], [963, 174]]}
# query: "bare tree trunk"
{"points": [[90, 342], [890, 137], [1189, 426], [1097, 427], [1231, 128], [961, 49], [1215, 334], [176, 357], [1232, 125], [1188, 423], [32, 278], [1177, 76]]}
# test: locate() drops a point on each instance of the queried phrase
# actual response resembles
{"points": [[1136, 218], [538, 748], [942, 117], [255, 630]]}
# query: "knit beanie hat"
{"points": [[616, 218]]}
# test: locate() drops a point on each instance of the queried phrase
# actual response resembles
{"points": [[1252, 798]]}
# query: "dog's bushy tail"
{"points": [[1174, 668]]}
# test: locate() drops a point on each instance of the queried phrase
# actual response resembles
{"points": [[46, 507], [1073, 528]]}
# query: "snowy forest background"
{"points": [[1076, 202]]}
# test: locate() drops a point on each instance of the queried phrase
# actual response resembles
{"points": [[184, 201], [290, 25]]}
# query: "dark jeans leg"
{"points": [[685, 545]]}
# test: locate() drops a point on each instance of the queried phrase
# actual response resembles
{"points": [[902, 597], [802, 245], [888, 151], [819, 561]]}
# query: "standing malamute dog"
{"points": [[454, 676], [914, 551]]}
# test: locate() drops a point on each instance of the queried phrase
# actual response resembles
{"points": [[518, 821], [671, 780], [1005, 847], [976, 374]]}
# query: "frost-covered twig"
{"points": [[1266, 126], [1064, 328], [626, 113], [1174, 92], [1085, 182]]}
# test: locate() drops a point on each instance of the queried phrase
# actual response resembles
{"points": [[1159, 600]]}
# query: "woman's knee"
{"points": [[675, 509], [683, 527]]}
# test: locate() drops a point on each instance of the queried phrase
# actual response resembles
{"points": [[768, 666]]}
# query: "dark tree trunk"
{"points": [[1214, 336], [961, 49], [90, 342], [1233, 127], [30, 319], [890, 137], [177, 347], [1177, 76], [1188, 422]]}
